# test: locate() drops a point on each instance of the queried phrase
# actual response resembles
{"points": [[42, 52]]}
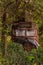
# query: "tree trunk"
{"points": [[3, 32]]}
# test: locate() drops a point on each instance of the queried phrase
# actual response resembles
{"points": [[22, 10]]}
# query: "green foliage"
{"points": [[15, 52]]}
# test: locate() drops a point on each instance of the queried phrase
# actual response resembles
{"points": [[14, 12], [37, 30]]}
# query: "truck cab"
{"points": [[25, 33]]}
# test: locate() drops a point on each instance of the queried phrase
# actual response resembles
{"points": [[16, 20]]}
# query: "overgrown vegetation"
{"points": [[13, 10], [17, 55]]}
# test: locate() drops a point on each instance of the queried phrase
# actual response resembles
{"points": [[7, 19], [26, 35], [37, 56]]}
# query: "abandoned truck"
{"points": [[25, 33]]}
